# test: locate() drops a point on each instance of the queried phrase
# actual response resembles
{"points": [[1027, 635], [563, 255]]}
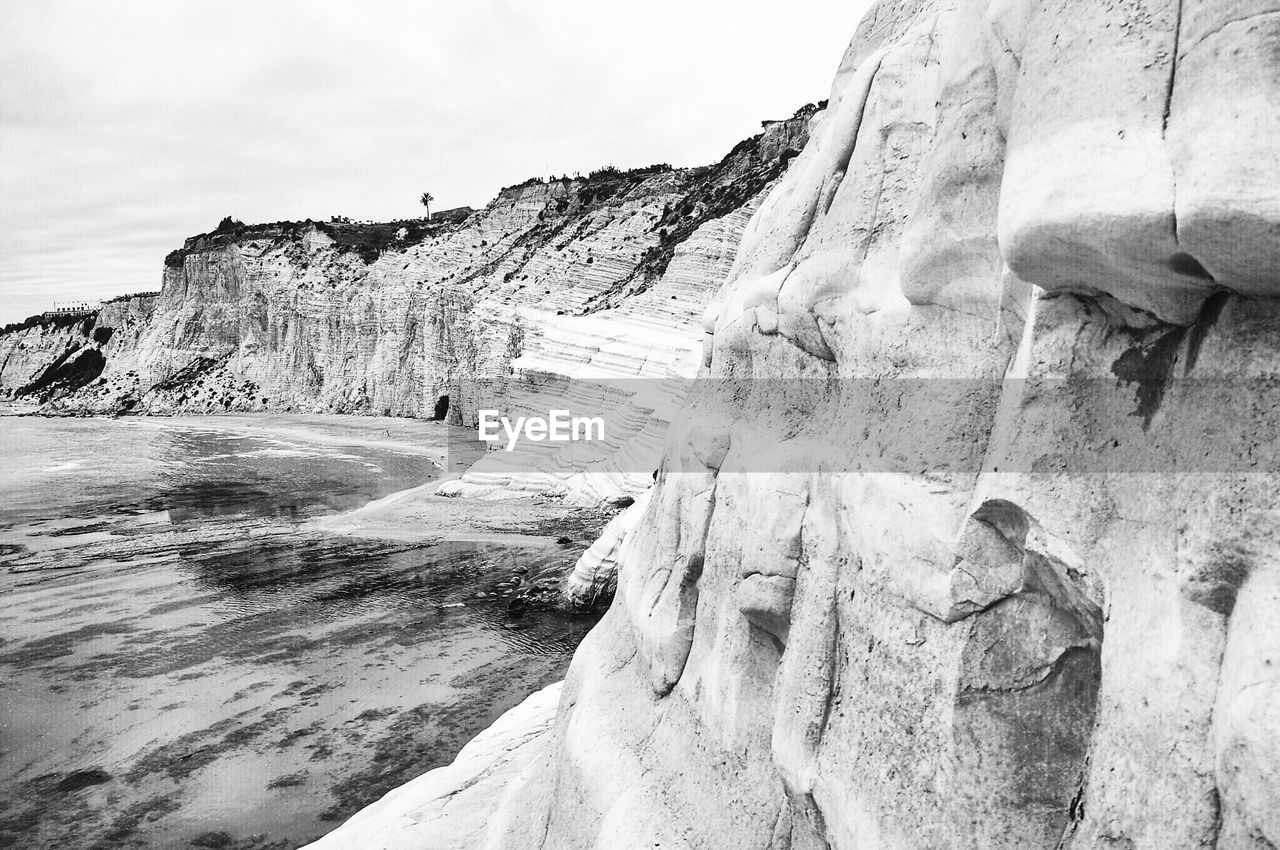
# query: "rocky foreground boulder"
{"points": [[978, 544]]}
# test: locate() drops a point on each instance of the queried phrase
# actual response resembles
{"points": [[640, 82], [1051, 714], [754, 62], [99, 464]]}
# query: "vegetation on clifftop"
{"points": [[365, 239], [713, 192], [55, 320]]}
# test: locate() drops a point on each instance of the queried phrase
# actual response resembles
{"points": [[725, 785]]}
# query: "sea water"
{"points": [[186, 661]]}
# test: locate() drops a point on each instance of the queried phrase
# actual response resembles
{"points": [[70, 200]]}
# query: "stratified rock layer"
{"points": [[571, 287], [1026, 258], [605, 274]]}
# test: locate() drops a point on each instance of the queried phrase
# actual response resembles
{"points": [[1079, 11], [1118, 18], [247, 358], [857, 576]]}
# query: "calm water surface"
{"points": [[183, 664]]}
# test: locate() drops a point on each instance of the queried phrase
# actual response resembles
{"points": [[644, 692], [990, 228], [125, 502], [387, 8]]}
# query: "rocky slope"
{"points": [[971, 539]]}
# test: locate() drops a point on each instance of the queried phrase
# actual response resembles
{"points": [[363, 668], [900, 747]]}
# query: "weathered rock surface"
{"points": [[976, 545], [595, 575], [1027, 259]]}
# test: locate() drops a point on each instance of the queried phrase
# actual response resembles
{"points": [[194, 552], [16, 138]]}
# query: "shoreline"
{"points": [[262, 654]]}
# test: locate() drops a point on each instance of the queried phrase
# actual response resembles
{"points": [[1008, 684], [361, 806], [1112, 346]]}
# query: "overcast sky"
{"points": [[127, 126]]}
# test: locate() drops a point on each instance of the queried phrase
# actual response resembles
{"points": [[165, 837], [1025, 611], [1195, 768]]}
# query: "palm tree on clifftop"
{"points": [[426, 200]]}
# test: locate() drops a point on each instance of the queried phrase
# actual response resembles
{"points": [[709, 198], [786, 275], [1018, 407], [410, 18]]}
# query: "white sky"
{"points": [[127, 126]]}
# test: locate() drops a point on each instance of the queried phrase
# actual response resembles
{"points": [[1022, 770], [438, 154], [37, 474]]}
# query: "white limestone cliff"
{"points": [[590, 287], [978, 546], [556, 277]]}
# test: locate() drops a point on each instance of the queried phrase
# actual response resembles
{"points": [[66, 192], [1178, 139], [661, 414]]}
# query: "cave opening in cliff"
{"points": [[442, 409]]}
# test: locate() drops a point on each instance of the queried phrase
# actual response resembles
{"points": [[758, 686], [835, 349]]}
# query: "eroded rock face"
{"points": [[1026, 258], [595, 575], [604, 275], [48, 357], [586, 288]]}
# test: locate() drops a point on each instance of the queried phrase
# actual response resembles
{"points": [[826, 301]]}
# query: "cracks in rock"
{"points": [[615, 661], [1181, 263], [933, 43], [1164, 130], [1075, 809], [872, 230], [644, 739], [1002, 43], [1044, 674], [1215, 803], [1227, 23], [842, 168], [1173, 72], [833, 672], [548, 811], [833, 667]]}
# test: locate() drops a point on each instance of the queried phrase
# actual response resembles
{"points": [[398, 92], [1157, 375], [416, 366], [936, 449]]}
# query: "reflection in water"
{"points": [[180, 661]]}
